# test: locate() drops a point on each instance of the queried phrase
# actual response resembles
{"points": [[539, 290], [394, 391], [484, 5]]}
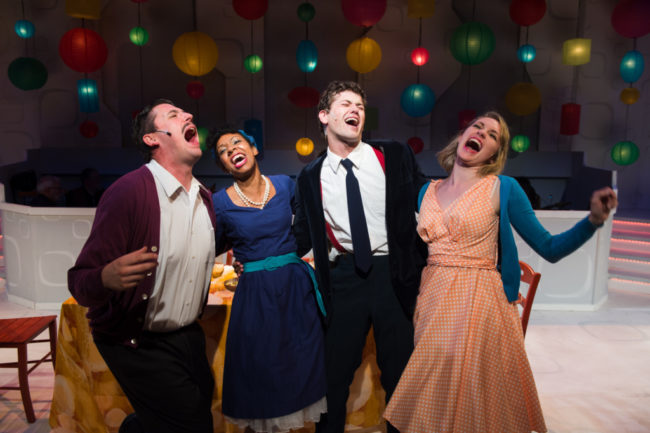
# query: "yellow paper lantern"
{"points": [[523, 99], [576, 51], [88, 9], [630, 95], [363, 55], [195, 53], [304, 146], [420, 8]]}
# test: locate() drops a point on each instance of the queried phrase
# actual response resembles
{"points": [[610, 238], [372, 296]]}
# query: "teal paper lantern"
{"points": [[88, 95], [253, 63], [632, 66], [520, 143], [472, 43], [625, 153], [526, 53], [24, 29], [27, 73], [418, 100], [139, 36], [306, 12], [307, 56]]}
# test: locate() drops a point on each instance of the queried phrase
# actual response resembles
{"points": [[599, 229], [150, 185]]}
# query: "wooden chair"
{"points": [[18, 333], [530, 277]]}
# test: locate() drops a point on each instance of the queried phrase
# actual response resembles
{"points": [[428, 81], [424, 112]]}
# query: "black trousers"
{"points": [[167, 379], [357, 303]]}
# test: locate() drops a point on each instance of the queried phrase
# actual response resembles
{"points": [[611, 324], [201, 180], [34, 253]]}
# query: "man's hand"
{"points": [[128, 270], [602, 201]]}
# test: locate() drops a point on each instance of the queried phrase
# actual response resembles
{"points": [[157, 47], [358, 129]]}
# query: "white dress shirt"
{"points": [[372, 183], [185, 254]]}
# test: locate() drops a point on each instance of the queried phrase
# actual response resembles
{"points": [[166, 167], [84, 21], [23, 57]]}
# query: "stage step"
{"points": [[629, 255]]}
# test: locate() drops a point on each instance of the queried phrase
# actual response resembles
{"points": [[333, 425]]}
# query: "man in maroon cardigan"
{"points": [[144, 275]]}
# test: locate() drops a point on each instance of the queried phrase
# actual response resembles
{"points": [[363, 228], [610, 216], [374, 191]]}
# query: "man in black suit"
{"points": [[355, 207]]}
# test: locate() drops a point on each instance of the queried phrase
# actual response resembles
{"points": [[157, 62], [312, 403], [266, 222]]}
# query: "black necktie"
{"points": [[358, 227]]}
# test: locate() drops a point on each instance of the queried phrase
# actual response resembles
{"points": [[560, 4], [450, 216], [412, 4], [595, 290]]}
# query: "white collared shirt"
{"points": [[185, 254], [372, 183]]}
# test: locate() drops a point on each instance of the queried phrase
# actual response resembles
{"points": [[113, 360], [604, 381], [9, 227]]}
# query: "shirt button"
{"points": [[190, 281], [134, 341], [149, 274], [154, 249], [145, 296]]}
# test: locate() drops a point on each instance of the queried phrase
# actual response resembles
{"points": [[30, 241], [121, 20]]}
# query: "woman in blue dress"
{"points": [[274, 377]]}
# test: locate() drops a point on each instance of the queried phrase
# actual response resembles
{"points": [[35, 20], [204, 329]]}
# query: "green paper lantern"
{"points": [[253, 63], [472, 43], [203, 135], [520, 143], [306, 12], [27, 73], [139, 36], [625, 153]]}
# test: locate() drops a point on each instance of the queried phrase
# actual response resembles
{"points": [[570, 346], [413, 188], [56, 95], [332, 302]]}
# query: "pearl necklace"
{"points": [[247, 201]]}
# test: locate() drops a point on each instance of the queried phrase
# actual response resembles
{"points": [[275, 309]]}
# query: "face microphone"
{"points": [[164, 132]]}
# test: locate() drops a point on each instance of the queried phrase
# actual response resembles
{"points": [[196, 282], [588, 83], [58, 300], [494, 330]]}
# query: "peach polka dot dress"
{"points": [[469, 371]]}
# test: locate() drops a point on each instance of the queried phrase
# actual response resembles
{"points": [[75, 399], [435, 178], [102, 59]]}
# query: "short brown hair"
{"points": [[143, 124], [333, 89], [447, 156]]}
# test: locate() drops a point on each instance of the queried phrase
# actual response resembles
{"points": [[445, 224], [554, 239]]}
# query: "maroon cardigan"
{"points": [[127, 218]]}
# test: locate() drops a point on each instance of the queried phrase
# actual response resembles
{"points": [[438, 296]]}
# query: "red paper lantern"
{"points": [[195, 89], [83, 50], [363, 13], [527, 12], [464, 117], [631, 18], [570, 121], [304, 96], [250, 9], [416, 144], [89, 129], [419, 56]]}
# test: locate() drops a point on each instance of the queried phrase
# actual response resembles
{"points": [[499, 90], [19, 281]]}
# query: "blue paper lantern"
{"points": [[253, 127], [418, 100], [88, 95], [24, 29], [632, 66], [307, 56], [526, 53]]}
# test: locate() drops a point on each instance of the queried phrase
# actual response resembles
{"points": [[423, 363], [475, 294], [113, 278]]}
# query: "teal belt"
{"points": [[275, 262]]}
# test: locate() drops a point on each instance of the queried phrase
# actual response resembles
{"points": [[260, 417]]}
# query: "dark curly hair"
{"points": [[333, 89], [216, 134]]}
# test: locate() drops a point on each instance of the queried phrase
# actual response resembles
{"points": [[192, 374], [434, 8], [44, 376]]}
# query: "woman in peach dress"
{"points": [[469, 371]]}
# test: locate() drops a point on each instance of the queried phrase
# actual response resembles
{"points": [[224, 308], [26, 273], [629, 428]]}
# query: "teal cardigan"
{"points": [[517, 212]]}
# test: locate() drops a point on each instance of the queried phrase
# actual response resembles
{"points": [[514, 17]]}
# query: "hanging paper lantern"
{"points": [[253, 127], [83, 50], [526, 53], [418, 100], [304, 97], [416, 144], [527, 12], [465, 117], [304, 146], [24, 29], [576, 51], [420, 8], [363, 55], [27, 73], [253, 63], [88, 95], [202, 132], [306, 12], [523, 99], [364, 13], [632, 66], [89, 129], [630, 95], [625, 153], [420, 56], [472, 43], [631, 18], [250, 9], [195, 89], [195, 53], [88, 9], [139, 36], [520, 143], [307, 56], [570, 120]]}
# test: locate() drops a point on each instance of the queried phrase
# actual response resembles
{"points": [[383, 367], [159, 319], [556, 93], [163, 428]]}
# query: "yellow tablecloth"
{"points": [[88, 399]]}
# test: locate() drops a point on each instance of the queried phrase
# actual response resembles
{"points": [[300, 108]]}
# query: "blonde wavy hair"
{"points": [[447, 156]]}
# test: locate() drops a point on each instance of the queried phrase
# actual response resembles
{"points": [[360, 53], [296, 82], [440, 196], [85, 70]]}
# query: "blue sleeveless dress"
{"points": [[274, 362]]}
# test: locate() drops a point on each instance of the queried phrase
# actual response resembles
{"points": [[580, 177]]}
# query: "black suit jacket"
{"points": [[407, 252]]}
